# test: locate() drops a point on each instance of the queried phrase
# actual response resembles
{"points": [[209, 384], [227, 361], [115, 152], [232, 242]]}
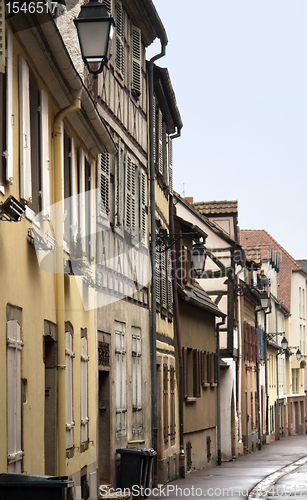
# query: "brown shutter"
{"points": [[165, 402], [35, 143], [172, 402], [185, 371]]}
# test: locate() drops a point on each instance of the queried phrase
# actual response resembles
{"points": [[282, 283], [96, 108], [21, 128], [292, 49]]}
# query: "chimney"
{"points": [[189, 199]]}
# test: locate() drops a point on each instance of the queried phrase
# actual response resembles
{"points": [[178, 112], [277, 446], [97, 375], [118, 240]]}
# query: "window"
{"points": [[136, 87], [86, 203], [136, 198], [84, 388], [192, 373], [165, 402], [2, 131], [120, 38], [119, 182], [69, 355], [136, 380], [104, 173], [172, 402], [164, 281], [14, 428], [120, 380], [34, 140]]}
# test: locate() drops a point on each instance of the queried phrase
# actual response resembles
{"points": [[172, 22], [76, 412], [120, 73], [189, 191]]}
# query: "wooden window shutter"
{"points": [[24, 132], [74, 188], [160, 142], [119, 182], [245, 341], [120, 37], [84, 390], [136, 370], [9, 107], [256, 409], [185, 370], [170, 165], [158, 276], [196, 373], [35, 143], [104, 171], [163, 280], [108, 4], [136, 61], [130, 186], [2, 131], [14, 426], [69, 355], [215, 368], [165, 402], [172, 403], [169, 281], [2, 37], [44, 151], [143, 205], [252, 410], [154, 128], [209, 367]]}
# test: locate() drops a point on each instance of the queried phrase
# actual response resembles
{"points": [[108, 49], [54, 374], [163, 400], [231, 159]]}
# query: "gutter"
{"points": [[153, 319], [104, 141], [218, 392]]}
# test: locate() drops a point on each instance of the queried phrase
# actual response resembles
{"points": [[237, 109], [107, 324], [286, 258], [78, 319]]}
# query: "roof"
{"points": [[197, 296], [252, 238], [214, 227], [303, 263], [167, 99], [216, 207], [144, 14]]}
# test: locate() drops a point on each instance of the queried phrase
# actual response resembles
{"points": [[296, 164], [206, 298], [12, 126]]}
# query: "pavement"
{"points": [[278, 470]]}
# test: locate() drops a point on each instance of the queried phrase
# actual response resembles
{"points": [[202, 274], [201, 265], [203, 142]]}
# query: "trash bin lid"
{"points": [[144, 452], [33, 480]]}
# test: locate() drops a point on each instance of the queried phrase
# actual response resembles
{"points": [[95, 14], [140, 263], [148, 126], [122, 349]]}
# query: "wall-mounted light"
{"points": [[198, 258], [95, 32], [11, 210]]}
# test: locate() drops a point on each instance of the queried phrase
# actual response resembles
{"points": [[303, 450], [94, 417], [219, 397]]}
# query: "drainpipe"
{"points": [[240, 363], [258, 388], [60, 298], [266, 379], [179, 344], [153, 343], [218, 426]]}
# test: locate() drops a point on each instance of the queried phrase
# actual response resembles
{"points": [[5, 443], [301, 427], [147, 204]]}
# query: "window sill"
{"points": [[206, 384], [190, 399]]}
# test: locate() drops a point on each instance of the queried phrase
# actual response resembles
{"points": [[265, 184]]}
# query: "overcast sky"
{"points": [[239, 72]]}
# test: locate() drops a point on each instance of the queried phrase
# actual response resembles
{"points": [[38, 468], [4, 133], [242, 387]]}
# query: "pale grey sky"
{"points": [[238, 68]]}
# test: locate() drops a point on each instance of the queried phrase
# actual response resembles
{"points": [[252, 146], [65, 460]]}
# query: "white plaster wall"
{"points": [[228, 384], [69, 33]]}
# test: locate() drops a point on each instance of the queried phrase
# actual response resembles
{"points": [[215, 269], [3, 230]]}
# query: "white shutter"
{"points": [[119, 185], [163, 280], [74, 190], [130, 186], [143, 205], [24, 130], [82, 224], [158, 276], [104, 163], [154, 128], [170, 165], [44, 151], [120, 381], [9, 107], [136, 61], [14, 345], [69, 355], [2, 37], [169, 281], [136, 370], [160, 142], [84, 390], [120, 37]]}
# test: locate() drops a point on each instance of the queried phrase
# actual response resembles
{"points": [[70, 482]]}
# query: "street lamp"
{"points": [[198, 258], [298, 355], [264, 300], [95, 32], [284, 343]]}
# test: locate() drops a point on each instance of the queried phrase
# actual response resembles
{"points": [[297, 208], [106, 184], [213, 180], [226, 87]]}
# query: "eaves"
{"points": [[167, 99], [144, 15], [45, 47]]}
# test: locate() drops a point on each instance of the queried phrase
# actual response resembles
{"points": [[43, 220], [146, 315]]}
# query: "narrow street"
{"points": [[262, 474]]}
